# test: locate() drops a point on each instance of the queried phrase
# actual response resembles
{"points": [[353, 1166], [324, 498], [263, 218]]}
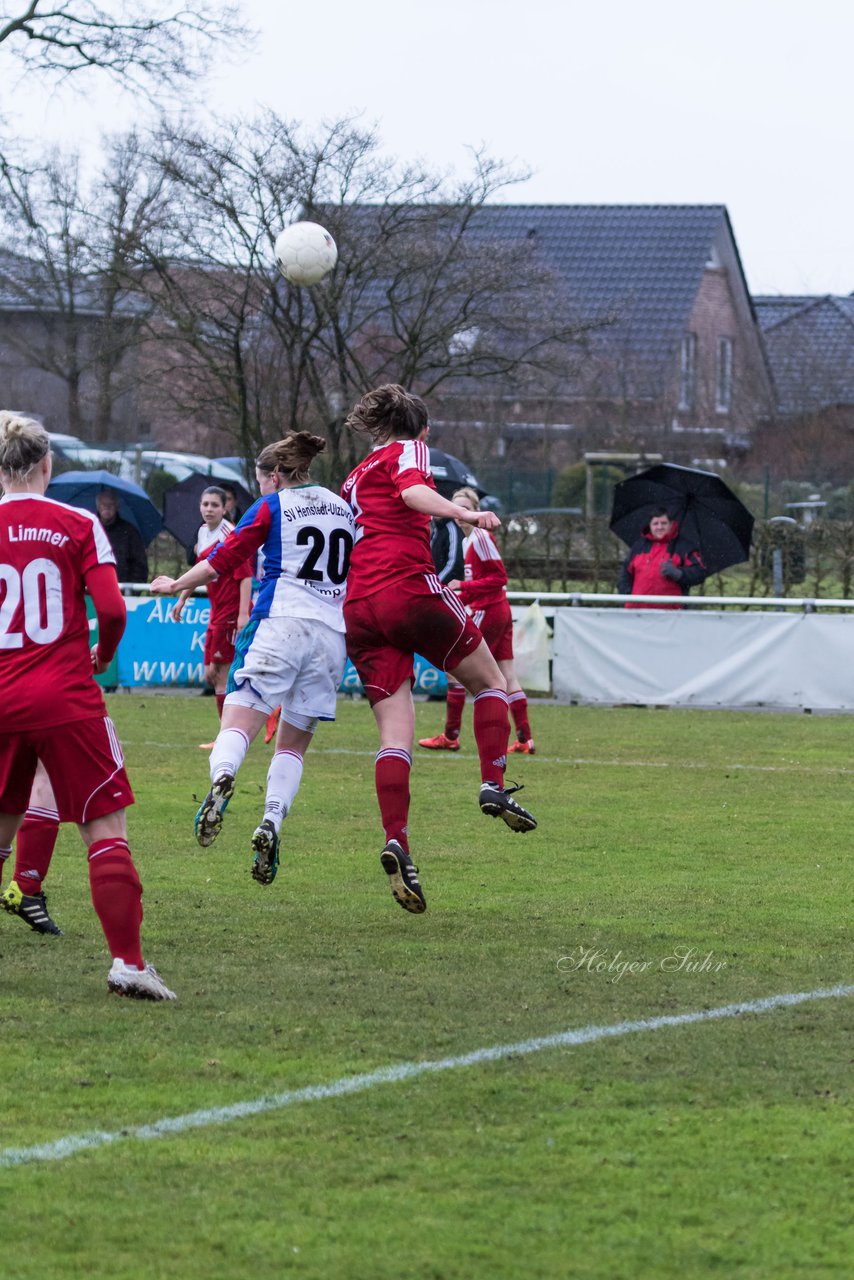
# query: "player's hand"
{"points": [[454, 584], [98, 664], [177, 610], [242, 620], [485, 520], [162, 586]]}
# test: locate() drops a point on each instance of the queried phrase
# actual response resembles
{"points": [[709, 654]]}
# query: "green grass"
{"points": [[716, 1149]]}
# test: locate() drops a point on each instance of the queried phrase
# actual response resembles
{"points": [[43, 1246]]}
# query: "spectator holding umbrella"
{"points": [[681, 524], [124, 538], [660, 563]]}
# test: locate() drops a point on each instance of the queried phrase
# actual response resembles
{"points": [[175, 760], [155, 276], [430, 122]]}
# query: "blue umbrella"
{"points": [[81, 488]]}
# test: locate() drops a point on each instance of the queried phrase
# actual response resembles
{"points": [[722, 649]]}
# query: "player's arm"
{"points": [[420, 497], [103, 587], [178, 606], [198, 576]]}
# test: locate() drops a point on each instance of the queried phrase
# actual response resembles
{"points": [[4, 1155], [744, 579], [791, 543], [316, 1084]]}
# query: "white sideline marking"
{"points": [[70, 1146], [818, 770]]}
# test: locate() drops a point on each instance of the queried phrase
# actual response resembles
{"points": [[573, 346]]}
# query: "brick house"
{"points": [[675, 361]]}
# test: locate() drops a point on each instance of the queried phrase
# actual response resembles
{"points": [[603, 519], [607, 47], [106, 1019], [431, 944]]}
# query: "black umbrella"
{"points": [[181, 506], [449, 474], [81, 489], [709, 514]]}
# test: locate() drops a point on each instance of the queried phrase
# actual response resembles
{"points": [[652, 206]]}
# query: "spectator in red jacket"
{"points": [[660, 563]]}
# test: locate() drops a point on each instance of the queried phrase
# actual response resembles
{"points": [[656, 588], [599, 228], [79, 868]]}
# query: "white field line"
{"points": [[62, 1148], [817, 770]]}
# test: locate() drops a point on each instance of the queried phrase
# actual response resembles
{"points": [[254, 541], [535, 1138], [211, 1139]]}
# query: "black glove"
{"points": [[672, 571]]}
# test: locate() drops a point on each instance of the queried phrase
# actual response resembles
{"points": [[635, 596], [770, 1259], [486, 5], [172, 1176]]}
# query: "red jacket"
{"points": [[641, 572]]}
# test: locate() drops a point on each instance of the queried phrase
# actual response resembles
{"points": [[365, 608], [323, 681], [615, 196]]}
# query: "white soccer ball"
{"points": [[305, 251]]}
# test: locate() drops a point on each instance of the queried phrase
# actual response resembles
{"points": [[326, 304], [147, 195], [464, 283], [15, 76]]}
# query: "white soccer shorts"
{"points": [[292, 663]]}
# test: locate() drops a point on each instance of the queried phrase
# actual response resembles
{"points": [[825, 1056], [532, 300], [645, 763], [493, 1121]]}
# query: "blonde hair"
{"points": [[292, 455], [466, 492], [389, 412], [23, 444]]}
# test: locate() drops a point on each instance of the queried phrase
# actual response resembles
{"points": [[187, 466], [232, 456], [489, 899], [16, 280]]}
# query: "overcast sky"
{"points": [[747, 103]]}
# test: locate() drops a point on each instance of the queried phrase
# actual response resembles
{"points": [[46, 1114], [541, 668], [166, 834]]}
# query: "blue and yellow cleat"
{"points": [[32, 908]]}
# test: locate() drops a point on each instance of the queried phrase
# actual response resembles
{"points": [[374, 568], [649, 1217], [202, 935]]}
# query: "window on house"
{"points": [[723, 382], [688, 372]]}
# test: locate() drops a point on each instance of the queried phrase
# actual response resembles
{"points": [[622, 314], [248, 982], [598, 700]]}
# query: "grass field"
{"points": [[710, 851]]}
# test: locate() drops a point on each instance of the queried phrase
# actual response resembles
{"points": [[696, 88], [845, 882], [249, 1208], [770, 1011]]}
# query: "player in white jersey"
{"points": [[292, 652]]}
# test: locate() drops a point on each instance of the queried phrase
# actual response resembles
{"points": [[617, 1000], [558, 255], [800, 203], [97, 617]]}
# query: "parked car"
{"points": [[78, 453], [138, 464]]}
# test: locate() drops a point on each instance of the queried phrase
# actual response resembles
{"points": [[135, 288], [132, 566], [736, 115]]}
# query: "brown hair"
{"points": [[389, 412], [292, 455], [23, 444], [466, 492], [217, 491]]}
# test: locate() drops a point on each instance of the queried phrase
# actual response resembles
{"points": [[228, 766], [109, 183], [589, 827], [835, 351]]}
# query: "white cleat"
{"points": [[138, 984]]}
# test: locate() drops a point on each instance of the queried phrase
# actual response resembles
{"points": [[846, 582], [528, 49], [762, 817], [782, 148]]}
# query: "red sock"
{"points": [[454, 713], [117, 898], [34, 846], [220, 703], [392, 782], [491, 731], [519, 712]]}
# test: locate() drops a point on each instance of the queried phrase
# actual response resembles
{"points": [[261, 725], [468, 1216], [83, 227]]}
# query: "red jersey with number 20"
{"points": [[392, 540], [46, 549]]}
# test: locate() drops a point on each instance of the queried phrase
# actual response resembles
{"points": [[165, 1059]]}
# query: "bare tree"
{"points": [[66, 308], [141, 44], [421, 294]]}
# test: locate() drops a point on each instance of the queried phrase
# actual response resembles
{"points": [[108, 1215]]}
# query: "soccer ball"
{"points": [[305, 252]]}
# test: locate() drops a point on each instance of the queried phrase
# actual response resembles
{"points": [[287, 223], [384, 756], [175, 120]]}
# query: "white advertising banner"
{"points": [[721, 659]]}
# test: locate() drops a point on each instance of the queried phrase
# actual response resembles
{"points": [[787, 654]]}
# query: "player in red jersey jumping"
{"points": [[484, 593], [396, 606], [51, 710]]}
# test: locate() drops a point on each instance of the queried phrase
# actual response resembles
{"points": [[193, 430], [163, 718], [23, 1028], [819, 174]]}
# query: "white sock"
{"points": [[283, 779], [229, 752]]}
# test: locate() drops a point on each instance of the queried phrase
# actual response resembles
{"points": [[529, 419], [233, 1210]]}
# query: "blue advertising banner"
{"points": [[156, 650]]}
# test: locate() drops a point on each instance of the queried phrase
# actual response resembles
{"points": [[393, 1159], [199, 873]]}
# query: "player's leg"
{"points": [[395, 717], [117, 899], [480, 673], [518, 704], [34, 845], [449, 738], [283, 781], [240, 726]]}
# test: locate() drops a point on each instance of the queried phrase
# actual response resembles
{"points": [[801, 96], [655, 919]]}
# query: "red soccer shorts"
{"points": [[219, 643], [385, 631], [495, 622], [83, 760]]}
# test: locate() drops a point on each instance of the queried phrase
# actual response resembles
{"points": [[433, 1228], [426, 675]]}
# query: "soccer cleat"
{"points": [[272, 725], [525, 748], [440, 743], [137, 984], [208, 822], [496, 802], [403, 878], [32, 908], [265, 844]]}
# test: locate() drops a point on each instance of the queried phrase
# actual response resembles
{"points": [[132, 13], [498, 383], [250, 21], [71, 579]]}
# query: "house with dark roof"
{"points": [[673, 358], [810, 346]]}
